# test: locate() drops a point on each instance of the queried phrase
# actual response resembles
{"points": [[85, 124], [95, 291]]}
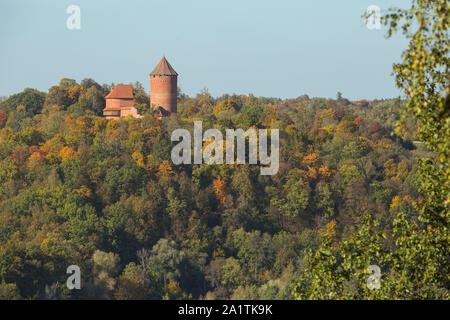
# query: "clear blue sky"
{"points": [[277, 48]]}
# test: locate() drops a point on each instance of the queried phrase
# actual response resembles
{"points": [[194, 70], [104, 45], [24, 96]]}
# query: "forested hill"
{"points": [[76, 188]]}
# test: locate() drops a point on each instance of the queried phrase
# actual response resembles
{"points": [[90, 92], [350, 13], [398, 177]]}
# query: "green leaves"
{"points": [[417, 266]]}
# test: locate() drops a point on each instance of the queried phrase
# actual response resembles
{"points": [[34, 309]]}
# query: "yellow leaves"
{"points": [[312, 173], [67, 153], [397, 201], [100, 124], [328, 128], [173, 290], [402, 169], [399, 170], [390, 168], [150, 164], [85, 191], [53, 245], [53, 146], [74, 92], [139, 159]]}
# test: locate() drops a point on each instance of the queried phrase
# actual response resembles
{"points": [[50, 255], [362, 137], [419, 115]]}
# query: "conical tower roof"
{"points": [[164, 68]]}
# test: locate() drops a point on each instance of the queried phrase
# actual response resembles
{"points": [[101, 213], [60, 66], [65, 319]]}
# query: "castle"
{"points": [[163, 94]]}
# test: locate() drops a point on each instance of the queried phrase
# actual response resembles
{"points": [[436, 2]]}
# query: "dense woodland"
{"points": [[77, 188]]}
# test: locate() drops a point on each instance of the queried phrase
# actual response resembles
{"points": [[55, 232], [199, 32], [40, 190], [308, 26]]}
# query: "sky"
{"points": [[278, 48]]}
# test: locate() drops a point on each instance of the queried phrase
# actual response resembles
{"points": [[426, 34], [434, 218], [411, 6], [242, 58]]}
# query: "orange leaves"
{"points": [[397, 201], [37, 157], [219, 189], [35, 151], [165, 169], [325, 172], [358, 121], [67, 153], [407, 198], [313, 173], [329, 230], [311, 160]]}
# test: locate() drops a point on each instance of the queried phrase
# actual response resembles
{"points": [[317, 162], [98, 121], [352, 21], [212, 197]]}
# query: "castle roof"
{"points": [[121, 91], [164, 68]]}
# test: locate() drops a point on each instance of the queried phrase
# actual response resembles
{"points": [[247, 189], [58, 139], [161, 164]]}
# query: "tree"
{"points": [[296, 194], [92, 100], [32, 99], [417, 267], [166, 260]]}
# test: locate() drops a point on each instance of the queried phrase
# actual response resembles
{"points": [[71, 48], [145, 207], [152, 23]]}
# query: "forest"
{"points": [[77, 188]]}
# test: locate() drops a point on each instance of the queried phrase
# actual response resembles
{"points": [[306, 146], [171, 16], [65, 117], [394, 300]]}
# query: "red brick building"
{"points": [[119, 102], [163, 88]]}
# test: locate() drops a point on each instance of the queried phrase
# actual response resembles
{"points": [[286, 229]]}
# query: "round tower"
{"points": [[163, 87]]}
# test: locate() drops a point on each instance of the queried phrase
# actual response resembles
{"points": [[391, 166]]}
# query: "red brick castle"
{"points": [[163, 94], [119, 102]]}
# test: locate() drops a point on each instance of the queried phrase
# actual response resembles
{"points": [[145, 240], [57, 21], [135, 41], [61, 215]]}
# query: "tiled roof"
{"points": [[121, 91], [164, 68]]}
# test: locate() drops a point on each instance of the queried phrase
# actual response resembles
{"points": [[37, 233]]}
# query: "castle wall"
{"points": [[163, 92], [118, 103]]}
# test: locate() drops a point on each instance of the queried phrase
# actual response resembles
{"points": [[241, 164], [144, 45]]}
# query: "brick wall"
{"points": [[163, 92]]}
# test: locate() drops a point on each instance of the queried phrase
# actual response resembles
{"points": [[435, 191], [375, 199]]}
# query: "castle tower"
{"points": [[163, 87]]}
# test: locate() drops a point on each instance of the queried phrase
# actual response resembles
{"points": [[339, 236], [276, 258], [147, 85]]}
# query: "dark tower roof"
{"points": [[164, 68]]}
